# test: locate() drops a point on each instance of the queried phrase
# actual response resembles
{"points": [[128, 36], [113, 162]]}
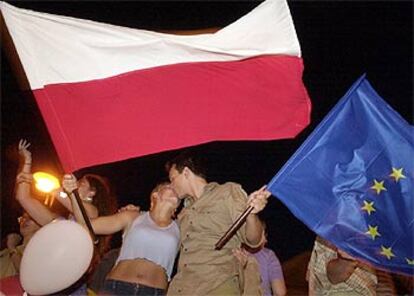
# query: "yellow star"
{"points": [[387, 252], [373, 231], [397, 174], [369, 207], [378, 186], [410, 262]]}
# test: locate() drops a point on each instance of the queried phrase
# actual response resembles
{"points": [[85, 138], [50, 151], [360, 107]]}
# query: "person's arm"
{"points": [[341, 268], [254, 228], [38, 211], [105, 225], [102, 225], [279, 287], [276, 278]]}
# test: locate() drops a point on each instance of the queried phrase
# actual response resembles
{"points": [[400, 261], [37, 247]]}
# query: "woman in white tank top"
{"points": [[150, 243]]}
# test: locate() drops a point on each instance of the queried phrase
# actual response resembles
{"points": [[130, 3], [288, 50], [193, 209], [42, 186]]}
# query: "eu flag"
{"points": [[351, 181]]}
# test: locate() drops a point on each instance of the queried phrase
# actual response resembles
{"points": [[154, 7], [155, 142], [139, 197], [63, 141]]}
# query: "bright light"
{"points": [[63, 194], [45, 182]]}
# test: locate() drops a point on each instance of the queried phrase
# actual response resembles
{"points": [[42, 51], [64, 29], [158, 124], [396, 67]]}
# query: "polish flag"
{"points": [[108, 93]]}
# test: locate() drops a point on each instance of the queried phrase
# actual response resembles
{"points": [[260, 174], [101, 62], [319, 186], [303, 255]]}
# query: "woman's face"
{"points": [[87, 194], [168, 195], [84, 189]]}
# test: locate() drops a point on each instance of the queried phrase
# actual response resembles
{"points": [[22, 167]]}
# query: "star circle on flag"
{"points": [[397, 174], [378, 186]]}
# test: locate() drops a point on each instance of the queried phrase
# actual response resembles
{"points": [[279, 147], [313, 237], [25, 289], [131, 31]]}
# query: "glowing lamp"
{"points": [[45, 182]]}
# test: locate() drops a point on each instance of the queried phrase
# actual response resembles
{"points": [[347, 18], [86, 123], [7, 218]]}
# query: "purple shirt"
{"points": [[270, 269]]}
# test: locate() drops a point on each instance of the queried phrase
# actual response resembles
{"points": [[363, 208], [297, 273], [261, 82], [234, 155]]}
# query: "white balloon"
{"points": [[55, 257]]}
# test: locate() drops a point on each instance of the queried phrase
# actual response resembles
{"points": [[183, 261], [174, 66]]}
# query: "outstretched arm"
{"points": [[101, 225], [38, 211]]}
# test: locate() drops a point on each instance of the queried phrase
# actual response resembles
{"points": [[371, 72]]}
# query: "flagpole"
{"points": [[233, 228], [85, 216]]}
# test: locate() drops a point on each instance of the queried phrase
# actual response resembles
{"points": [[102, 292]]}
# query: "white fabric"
{"points": [[58, 49], [146, 240]]}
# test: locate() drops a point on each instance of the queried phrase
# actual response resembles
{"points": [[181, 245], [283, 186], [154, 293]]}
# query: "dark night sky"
{"points": [[340, 41]]}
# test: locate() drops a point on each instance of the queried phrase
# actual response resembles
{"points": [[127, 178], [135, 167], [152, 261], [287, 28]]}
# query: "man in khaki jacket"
{"points": [[209, 210]]}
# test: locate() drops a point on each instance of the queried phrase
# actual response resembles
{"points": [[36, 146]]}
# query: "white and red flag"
{"points": [[109, 93]]}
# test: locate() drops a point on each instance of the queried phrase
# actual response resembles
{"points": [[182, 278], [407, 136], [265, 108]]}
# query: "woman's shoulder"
{"points": [[133, 215]]}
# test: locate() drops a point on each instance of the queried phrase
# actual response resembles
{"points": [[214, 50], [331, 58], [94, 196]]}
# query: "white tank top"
{"points": [[146, 240]]}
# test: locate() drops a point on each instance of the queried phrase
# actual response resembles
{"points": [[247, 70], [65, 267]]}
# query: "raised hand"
{"points": [[24, 178], [258, 199], [69, 183], [24, 152]]}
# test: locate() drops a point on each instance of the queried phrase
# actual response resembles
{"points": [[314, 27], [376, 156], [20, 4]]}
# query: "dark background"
{"points": [[340, 41]]}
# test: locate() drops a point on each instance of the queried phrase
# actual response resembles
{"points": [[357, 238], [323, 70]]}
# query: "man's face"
{"points": [[178, 182]]}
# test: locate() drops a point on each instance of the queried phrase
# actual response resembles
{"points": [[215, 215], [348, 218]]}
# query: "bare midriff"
{"points": [[140, 271]]}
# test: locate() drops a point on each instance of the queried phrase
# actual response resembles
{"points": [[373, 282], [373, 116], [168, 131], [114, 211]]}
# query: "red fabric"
{"points": [[11, 286], [175, 106]]}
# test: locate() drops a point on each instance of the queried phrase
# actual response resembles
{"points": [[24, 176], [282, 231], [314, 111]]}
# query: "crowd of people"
{"points": [[169, 252]]}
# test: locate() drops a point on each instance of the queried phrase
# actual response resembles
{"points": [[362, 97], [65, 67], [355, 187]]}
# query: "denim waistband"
{"points": [[127, 288]]}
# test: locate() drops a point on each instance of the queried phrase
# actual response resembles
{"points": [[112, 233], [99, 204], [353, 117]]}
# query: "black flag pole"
{"points": [[85, 216], [233, 228]]}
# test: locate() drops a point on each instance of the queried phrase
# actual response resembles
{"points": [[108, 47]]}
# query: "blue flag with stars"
{"points": [[351, 181]]}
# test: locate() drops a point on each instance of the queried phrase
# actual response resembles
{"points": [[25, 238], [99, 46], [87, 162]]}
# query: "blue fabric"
{"points": [[81, 291], [329, 179], [77, 289]]}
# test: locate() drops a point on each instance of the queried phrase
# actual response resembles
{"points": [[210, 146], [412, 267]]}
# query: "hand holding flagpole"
{"points": [[257, 202], [85, 216], [71, 188]]}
